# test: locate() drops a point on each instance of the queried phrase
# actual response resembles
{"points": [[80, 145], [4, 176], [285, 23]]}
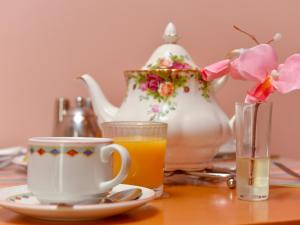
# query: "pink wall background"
{"points": [[45, 45]]}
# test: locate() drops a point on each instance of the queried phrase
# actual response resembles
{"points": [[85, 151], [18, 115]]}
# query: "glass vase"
{"points": [[252, 128]]}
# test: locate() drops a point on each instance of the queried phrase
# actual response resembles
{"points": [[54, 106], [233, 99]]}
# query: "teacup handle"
{"points": [[105, 154]]}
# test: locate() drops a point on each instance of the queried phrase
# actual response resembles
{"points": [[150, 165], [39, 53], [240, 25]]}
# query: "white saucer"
{"points": [[12, 151], [21, 161], [20, 200]]}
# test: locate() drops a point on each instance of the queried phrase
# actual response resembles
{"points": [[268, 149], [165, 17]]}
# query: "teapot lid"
{"points": [[170, 55]]}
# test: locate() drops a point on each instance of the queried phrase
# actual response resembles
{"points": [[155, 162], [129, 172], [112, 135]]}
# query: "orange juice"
{"points": [[147, 160]]}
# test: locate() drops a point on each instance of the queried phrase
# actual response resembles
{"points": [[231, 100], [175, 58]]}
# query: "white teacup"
{"points": [[71, 170]]}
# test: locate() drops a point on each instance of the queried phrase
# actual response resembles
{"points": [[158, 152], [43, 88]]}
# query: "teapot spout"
{"points": [[104, 110]]}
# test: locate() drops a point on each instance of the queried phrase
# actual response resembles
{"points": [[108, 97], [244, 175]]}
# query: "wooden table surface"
{"points": [[203, 204], [198, 205]]}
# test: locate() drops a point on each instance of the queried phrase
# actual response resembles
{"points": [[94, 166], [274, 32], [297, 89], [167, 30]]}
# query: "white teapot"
{"points": [[170, 88]]}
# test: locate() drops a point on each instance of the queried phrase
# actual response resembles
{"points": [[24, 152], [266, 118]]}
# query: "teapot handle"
{"points": [[232, 124], [218, 83]]}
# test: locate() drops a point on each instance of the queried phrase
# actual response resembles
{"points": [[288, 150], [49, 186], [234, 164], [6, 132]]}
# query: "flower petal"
{"points": [[216, 70], [261, 92], [254, 63], [289, 75]]}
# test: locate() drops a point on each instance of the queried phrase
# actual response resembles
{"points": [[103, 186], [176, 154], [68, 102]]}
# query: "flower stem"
{"points": [[248, 34], [253, 145]]}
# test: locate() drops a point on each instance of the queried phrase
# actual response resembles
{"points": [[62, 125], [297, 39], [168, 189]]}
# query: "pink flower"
{"points": [[180, 66], [153, 81], [254, 63], [143, 86], [288, 78], [156, 108], [164, 63], [216, 70], [261, 92], [259, 64], [166, 89]]}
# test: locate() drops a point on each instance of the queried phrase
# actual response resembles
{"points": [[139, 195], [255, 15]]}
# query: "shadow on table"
{"points": [[136, 215]]}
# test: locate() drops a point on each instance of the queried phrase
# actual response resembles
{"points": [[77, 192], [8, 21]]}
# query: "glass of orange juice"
{"points": [[146, 144]]}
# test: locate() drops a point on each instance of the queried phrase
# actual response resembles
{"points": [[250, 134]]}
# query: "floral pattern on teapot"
{"points": [[173, 62], [162, 85]]}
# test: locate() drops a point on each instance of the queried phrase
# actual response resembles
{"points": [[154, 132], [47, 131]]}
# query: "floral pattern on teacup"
{"points": [[53, 150], [26, 198]]}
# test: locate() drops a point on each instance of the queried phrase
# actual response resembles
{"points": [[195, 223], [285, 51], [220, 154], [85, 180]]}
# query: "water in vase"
{"points": [[256, 188]]}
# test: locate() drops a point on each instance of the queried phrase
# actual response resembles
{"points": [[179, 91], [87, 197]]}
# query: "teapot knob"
{"points": [[170, 36]]}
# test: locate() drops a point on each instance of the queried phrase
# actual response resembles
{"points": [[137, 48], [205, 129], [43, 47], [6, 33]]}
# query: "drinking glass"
{"points": [[146, 144], [253, 125]]}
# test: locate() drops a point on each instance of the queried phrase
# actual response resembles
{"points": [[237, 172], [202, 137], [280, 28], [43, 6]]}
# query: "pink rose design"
{"points": [[153, 81], [166, 89], [164, 63], [180, 66], [155, 108], [143, 86]]}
